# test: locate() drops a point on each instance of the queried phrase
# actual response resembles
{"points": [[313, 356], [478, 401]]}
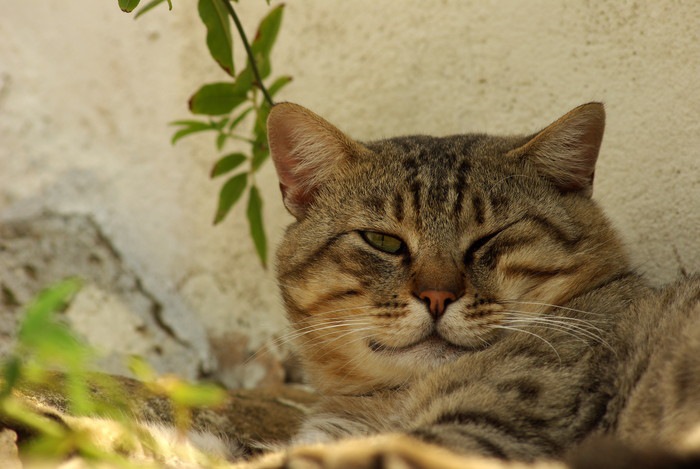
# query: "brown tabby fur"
{"points": [[551, 337]]}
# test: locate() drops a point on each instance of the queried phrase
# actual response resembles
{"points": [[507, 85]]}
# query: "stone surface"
{"points": [[113, 311]]}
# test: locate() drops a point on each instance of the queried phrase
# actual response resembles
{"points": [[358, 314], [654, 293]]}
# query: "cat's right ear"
{"points": [[306, 150], [565, 152]]}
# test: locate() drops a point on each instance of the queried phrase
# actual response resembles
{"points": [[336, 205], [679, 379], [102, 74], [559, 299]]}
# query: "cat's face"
{"points": [[410, 252]]}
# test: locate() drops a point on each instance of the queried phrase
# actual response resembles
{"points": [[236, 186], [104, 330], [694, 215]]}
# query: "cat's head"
{"points": [[412, 251]]}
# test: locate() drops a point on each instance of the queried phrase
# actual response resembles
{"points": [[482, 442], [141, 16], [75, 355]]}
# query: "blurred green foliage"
{"points": [[49, 355]]}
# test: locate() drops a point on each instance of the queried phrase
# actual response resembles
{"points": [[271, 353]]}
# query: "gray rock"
{"points": [[115, 312]]}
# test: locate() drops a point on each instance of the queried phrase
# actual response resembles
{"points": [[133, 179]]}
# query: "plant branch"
{"points": [[241, 138], [248, 50]]}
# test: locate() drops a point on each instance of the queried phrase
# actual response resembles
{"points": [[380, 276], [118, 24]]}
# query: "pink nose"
{"points": [[437, 301]]}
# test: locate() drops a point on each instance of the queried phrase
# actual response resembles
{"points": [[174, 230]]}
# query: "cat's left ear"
{"points": [[306, 150], [566, 151]]}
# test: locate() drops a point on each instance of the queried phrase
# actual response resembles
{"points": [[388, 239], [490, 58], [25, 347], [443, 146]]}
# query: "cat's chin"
{"points": [[433, 347]]}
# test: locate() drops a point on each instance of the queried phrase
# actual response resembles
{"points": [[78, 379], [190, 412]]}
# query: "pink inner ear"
{"points": [[589, 125], [305, 149], [281, 133], [281, 146]]}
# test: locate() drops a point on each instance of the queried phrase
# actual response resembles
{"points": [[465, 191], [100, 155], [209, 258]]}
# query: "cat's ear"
{"points": [[566, 151], [306, 150]]}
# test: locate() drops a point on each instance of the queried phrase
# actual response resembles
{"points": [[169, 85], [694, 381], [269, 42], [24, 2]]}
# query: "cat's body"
{"points": [[463, 297], [467, 292]]}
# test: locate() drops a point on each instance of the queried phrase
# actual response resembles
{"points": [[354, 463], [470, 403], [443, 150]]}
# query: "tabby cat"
{"points": [[464, 295]]}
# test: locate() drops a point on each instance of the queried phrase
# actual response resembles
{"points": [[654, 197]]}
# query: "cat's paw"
{"points": [[381, 452]]}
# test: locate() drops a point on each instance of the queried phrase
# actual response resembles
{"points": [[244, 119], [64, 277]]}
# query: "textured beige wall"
{"points": [[86, 92]]}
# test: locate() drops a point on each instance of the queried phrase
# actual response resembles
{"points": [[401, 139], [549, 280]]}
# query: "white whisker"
{"points": [[578, 335], [573, 330], [536, 303], [562, 319], [354, 331], [515, 329], [295, 334], [311, 329]]}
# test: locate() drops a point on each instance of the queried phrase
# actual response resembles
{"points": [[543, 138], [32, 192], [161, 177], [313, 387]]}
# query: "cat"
{"points": [[464, 295], [462, 302]]}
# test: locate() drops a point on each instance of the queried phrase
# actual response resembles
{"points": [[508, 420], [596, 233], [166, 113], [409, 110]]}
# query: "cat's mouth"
{"points": [[433, 343]]}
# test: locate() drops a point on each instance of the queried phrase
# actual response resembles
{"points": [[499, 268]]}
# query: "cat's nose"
{"points": [[437, 301]]}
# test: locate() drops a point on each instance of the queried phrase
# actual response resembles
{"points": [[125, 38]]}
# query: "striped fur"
{"points": [[551, 337]]}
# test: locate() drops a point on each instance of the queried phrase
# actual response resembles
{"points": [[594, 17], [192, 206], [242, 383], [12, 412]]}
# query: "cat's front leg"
{"points": [[392, 451]]}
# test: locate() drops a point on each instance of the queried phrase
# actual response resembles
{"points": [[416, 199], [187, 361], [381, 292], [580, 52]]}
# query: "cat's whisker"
{"points": [[578, 334], [353, 331], [580, 337], [563, 319], [284, 338], [328, 328], [289, 337], [563, 326], [295, 334], [571, 322], [484, 341], [537, 303], [515, 329], [330, 325]]}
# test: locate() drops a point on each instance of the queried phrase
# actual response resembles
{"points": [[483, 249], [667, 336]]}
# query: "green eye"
{"points": [[382, 241]]}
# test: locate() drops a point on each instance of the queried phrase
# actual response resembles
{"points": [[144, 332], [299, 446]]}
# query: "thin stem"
{"points": [[241, 138], [248, 50]]}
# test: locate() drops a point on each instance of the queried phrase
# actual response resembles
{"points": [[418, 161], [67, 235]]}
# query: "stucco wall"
{"points": [[86, 93]]}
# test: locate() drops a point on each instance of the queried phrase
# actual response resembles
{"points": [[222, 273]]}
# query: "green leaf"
{"points": [[40, 311], [215, 18], [278, 84], [197, 395], [221, 140], [151, 5], [191, 122], [244, 82], [220, 124], [239, 119], [141, 368], [190, 127], [265, 38], [261, 150], [78, 392], [11, 373], [255, 221], [260, 153], [227, 163], [216, 99], [128, 5], [50, 341], [44, 426], [229, 195]]}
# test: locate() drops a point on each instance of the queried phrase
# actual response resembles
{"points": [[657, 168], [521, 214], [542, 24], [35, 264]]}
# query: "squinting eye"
{"points": [[383, 242]]}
